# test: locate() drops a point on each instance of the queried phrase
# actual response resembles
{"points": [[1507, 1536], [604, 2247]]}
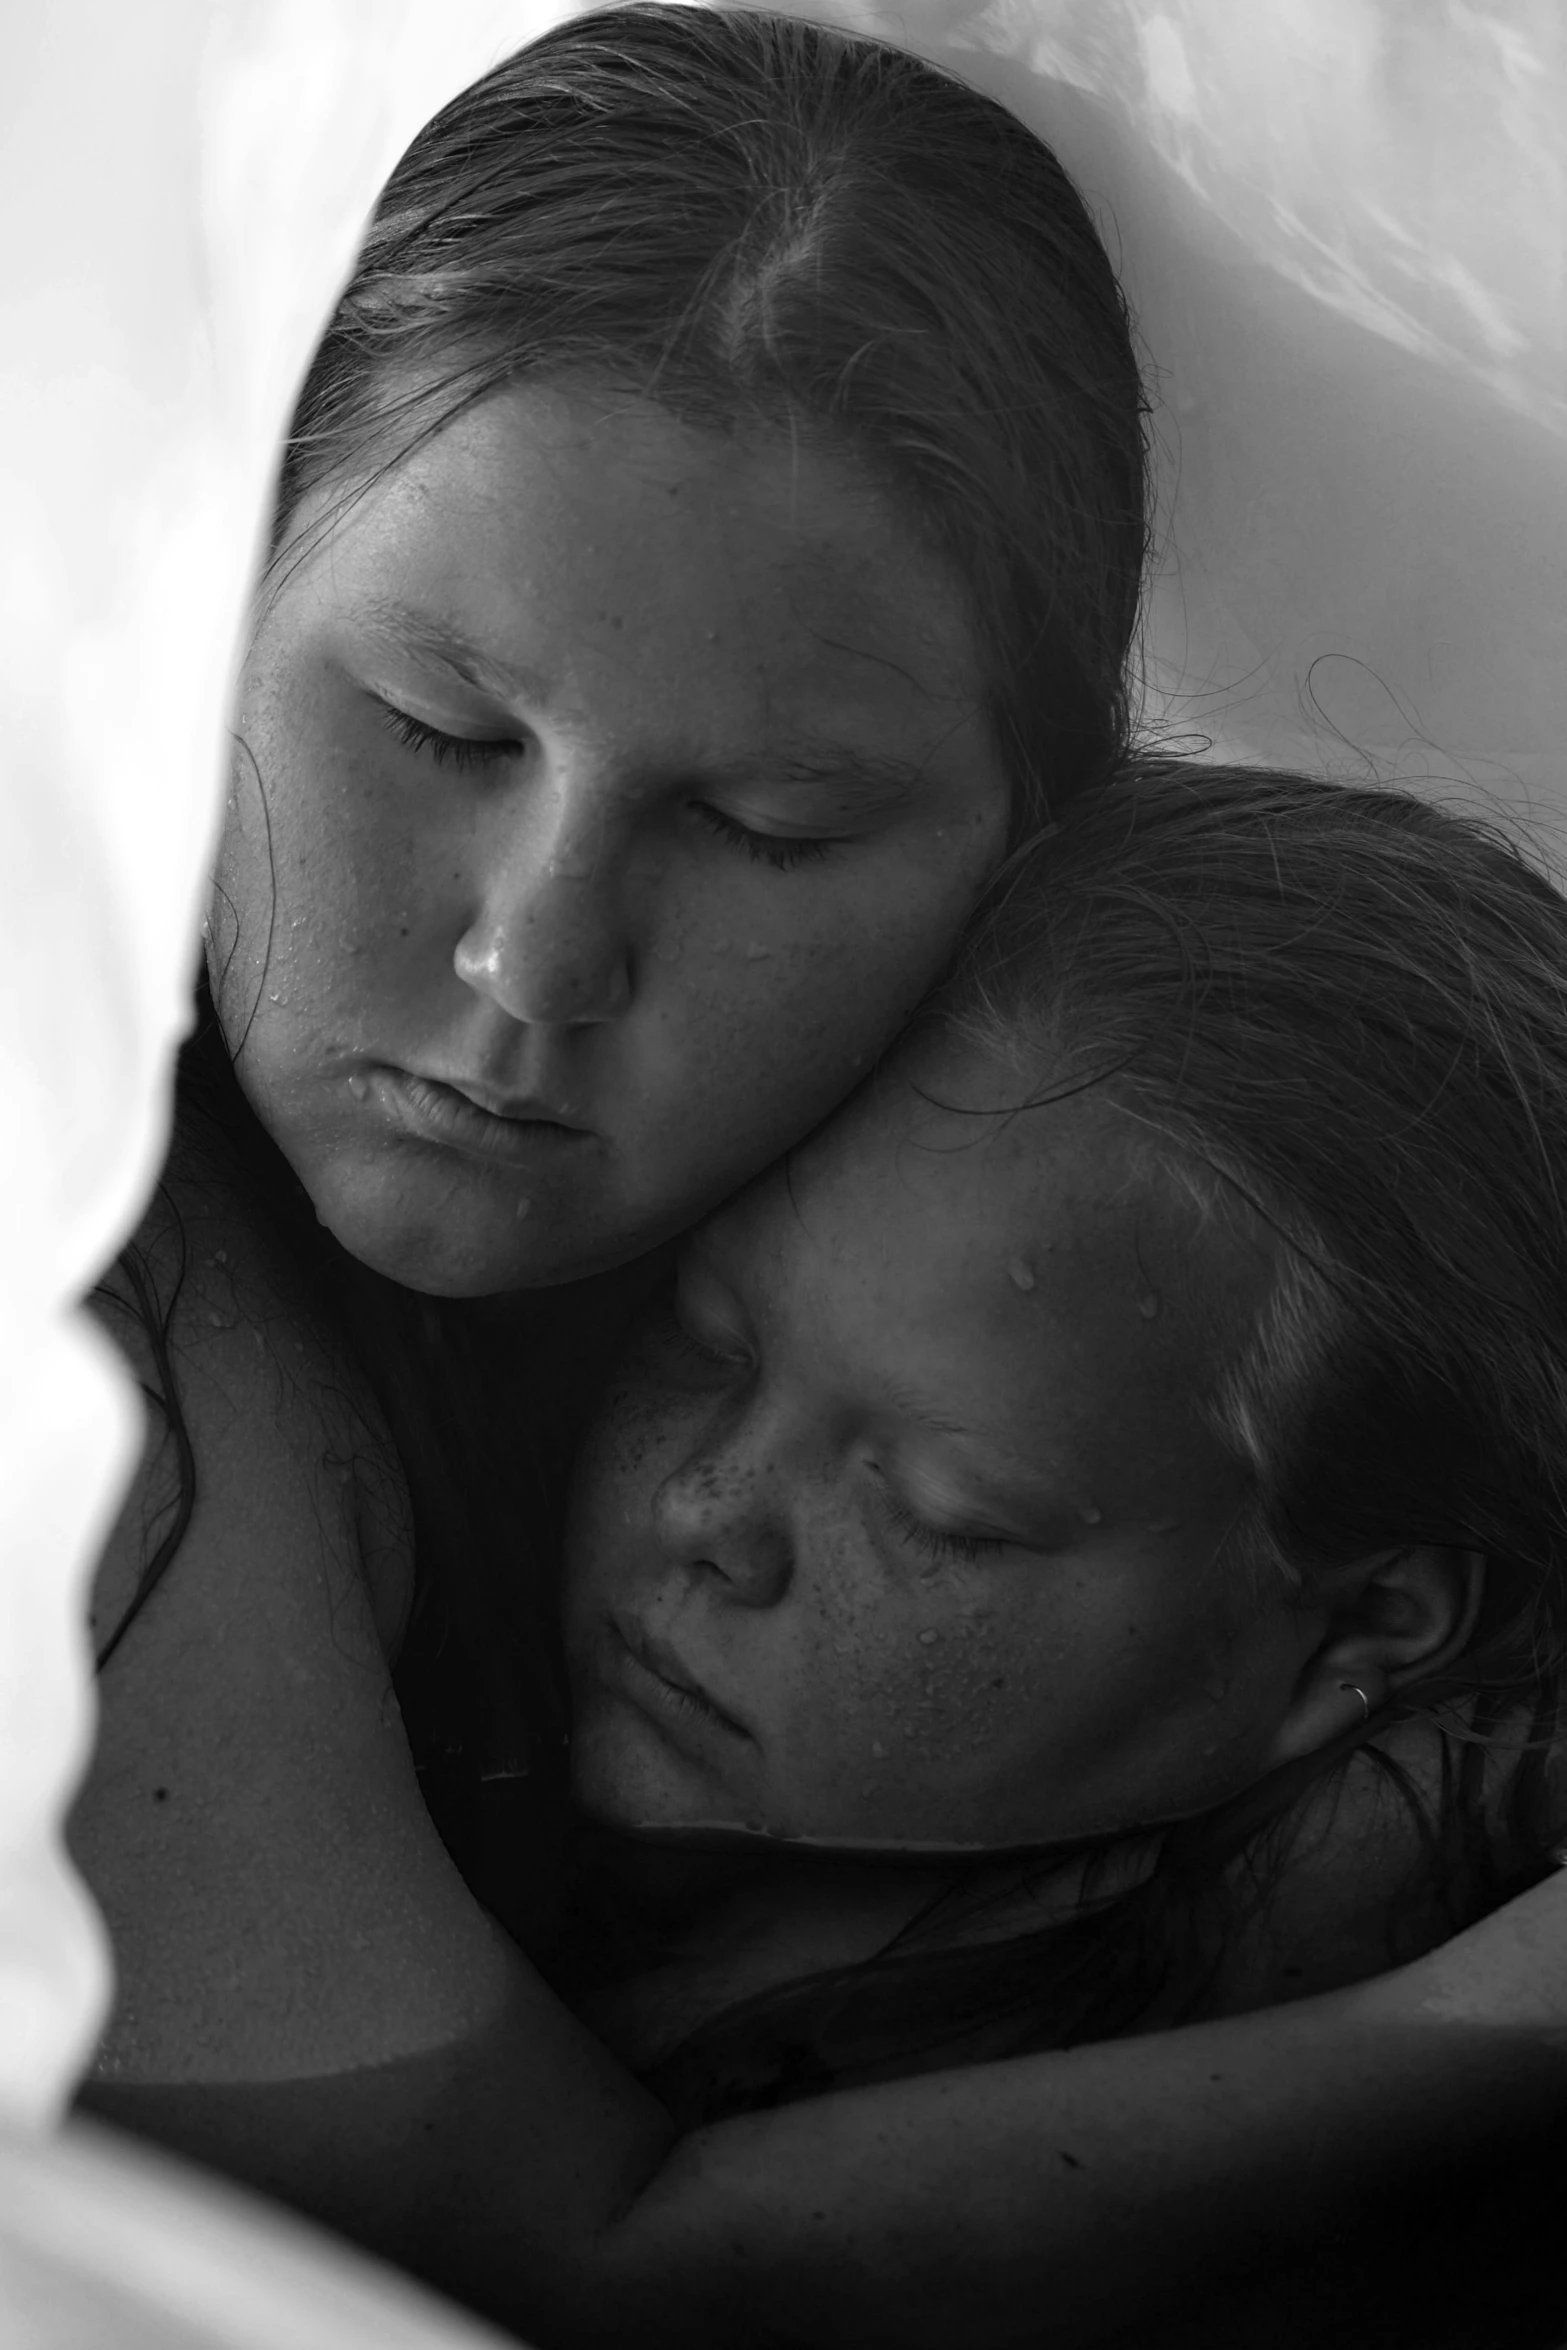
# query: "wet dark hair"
{"points": [[761, 222], [1340, 1012], [1343, 1012]]}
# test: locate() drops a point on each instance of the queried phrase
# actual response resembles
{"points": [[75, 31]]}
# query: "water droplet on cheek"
{"points": [[929, 1638], [757, 953], [523, 1208], [1090, 1513], [359, 1086], [1021, 1273], [878, 1750], [1148, 1306]]}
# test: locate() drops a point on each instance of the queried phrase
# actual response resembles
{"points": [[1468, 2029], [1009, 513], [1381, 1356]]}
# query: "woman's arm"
{"points": [[1053, 2199], [307, 1995], [311, 2000]]}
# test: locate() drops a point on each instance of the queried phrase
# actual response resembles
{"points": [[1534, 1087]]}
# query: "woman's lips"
{"points": [[434, 1111], [654, 1675]]}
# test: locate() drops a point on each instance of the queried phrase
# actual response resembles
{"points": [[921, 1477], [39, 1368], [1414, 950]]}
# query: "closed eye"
{"points": [[917, 1533], [706, 1352], [731, 1357], [447, 750], [763, 848]]}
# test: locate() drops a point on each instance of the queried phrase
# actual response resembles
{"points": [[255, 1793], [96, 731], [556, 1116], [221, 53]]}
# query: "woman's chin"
{"points": [[447, 1248], [626, 1776]]}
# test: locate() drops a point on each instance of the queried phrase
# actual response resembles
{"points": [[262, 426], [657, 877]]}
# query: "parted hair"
{"points": [[764, 223]]}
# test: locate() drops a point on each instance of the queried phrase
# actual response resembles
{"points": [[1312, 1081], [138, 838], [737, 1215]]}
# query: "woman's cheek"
{"points": [[821, 969], [621, 1463], [911, 1711]]}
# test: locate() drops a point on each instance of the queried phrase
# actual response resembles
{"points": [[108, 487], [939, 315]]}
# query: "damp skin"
{"points": [[606, 794], [876, 1544]]}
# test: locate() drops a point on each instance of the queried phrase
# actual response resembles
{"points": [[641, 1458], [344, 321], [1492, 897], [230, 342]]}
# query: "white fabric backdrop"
{"points": [[1343, 225]]}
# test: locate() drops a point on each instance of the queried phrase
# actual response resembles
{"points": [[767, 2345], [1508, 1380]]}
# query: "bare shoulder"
{"points": [[251, 1826]]}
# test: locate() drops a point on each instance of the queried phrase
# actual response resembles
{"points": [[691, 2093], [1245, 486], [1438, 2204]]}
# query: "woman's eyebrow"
{"points": [[912, 1405], [866, 774], [429, 637], [925, 1412], [809, 761]]}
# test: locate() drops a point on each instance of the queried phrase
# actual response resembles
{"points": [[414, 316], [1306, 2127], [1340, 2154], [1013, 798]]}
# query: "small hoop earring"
{"points": [[1364, 1699]]}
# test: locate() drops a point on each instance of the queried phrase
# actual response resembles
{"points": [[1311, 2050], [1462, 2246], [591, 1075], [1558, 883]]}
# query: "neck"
{"points": [[693, 1930]]}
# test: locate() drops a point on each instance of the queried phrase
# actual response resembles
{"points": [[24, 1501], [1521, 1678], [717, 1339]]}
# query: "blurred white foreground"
{"points": [[105, 2247]]}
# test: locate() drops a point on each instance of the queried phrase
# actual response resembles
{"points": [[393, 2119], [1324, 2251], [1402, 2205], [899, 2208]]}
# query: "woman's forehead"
{"points": [[1023, 1288], [543, 504], [1025, 1247]]}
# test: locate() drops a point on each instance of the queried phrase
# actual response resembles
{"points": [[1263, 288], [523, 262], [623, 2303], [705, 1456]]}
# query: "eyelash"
{"points": [[680, 1338], [467, 753], [932, 1540], [447, 750], [761, 847]]}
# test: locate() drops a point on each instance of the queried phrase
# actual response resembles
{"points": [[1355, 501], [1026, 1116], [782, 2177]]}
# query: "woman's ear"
{"points": [[1391, 1619]]}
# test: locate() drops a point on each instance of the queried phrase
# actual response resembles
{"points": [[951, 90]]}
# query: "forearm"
{"points": [[1042, 2201], [1052, 2199]]}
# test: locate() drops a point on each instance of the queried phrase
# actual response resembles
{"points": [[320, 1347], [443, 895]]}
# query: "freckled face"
{"points": [[900, 1530], [610, 793]]}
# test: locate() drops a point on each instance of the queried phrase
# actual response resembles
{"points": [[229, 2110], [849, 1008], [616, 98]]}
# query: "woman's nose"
{"points": [[549, 942], [721, 1514]]}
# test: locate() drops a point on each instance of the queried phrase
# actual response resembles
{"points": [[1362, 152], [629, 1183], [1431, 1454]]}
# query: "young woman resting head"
{"points": [[712, 525], [1115, 1470]]}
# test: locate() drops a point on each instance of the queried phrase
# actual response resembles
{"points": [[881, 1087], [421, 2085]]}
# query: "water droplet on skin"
{"points": [[524, 1208], [1090, 1513], [878, 1750], [1021, 1273], [928, 1638], [1208, 1753], [757, 953], [1148, 1306], [359, 1086], [1218, 1688]]}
